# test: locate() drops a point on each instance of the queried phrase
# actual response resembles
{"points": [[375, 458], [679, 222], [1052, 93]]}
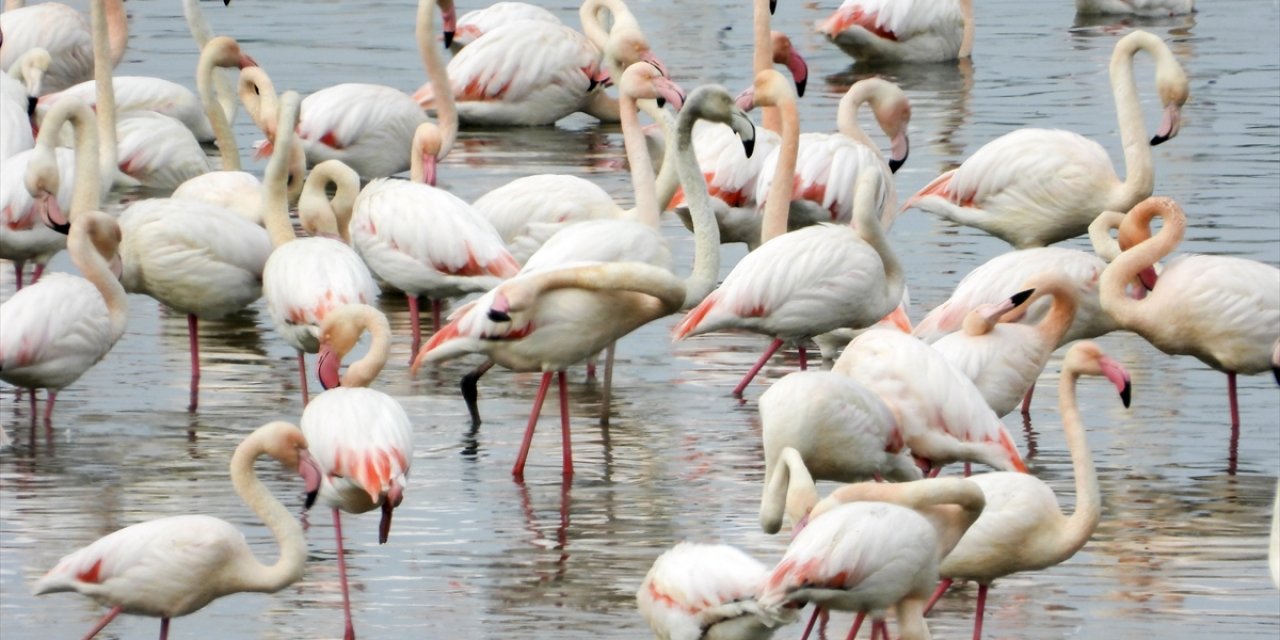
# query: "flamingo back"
{"points": [[54, 331], [363, 440], [827, 167], [692, 587], [306, 278]]}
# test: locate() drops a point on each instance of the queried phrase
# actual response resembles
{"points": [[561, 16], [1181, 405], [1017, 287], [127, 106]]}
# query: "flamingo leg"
{"points": [[435, 314], [469, 392], [565, 443], [193, 336], [164, 629], [822, 624], [591, 369], [808, 628], [608, 383], [302, 376], [857, 624], [17, 272], [48, 407], [1233, 445], [768, 353], [943, 585], [977, 619], [518, 470], [102, 623], [349, 633], [1026, 400], [37, 272], [33, 406], [879, 629], [415, 327], [804, 358], [968, 469]]}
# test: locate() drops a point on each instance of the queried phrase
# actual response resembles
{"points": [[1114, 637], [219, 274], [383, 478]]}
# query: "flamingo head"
{"points": [[449, 16], [286, 444], [428, 148], [328, 368], [392, 500], [893, 113], [711, 102], [105, 234], [1087, 358], [1172, 85], [784, 53], [771, 89], [643, 80]]}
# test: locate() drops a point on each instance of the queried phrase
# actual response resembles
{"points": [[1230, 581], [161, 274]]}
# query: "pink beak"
{"points": [[327, 368], [1118, 376]]}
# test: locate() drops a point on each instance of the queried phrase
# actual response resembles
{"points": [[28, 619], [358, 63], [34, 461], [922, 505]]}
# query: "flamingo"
{"points": [[810, 281], [902, 30], [1225, 311], [695, 591], [19, 88], [1004, 358], [1022, 527], [473, 24], [1136, 7], [827, 164], [22, 236], [842, 430], [528, 208], [361, 438], [942, 415], [1034, 187], [426, 241], [866, 557], [66, 35], [231, 188], [171, 567], [58, 328]]}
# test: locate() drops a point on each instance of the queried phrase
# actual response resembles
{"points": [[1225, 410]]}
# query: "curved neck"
{"points": [[523, 294], [1139, 177], [1061, 314], [706, 231], [589, 15], [324, 215], [668, 181], [99, 14], [1080, 525], [95, 268], [362, 372], [951, 505], [202, 33], [446, 108], [224, 137], [847, 114], [285, 528], [1125, 310], [1106, 246], [779, 206], [869, 191], [86, 192], [642, 179], [789, 489], [274, 206], [966, 40], [259, 97]]}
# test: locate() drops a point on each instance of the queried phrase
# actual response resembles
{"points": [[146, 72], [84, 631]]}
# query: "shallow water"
{"points": [[1180, 552]]}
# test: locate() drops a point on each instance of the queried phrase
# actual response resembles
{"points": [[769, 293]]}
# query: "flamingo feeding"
{"points": [[1022, 527], [174, 566], [360, 437], [1034, 187], [881, 31], [1225, 311]]}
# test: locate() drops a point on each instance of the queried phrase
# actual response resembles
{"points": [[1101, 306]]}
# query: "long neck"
{"points": [[288, 533], [867, 193], [117, 29], [259, 97], [790, 489], [589, 15], [611, 276], [1125, 268], [668, 180], [274, 202], [99, 14], [446, 108], [96, 270], [642, 179], [225, 138], [1139, 177], [966, 40], [362, 372], [202, 33], [86, 193], [847, 114], [1054, 324], [951, 505], [1106, 246], [1080, 525], [706, 231], [779, 205], [762, 58]]}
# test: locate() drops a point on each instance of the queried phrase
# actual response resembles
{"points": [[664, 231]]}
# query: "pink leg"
{"points": [[565, 443], [33, 405], [857, 624], [804, 359], [591, 370], [111, 615], [768, 353], [518, 470], [415, 327], [37, 272], [879, 629], [435, 315], [822, 624], [164, 629], [812, 619], [48, 407], [194, 337], [302, 375], [607, 396], [349, 633], [1234, 444], [17, 273], [943, 585], [968, 469], [977, 620], [1026, 400]]}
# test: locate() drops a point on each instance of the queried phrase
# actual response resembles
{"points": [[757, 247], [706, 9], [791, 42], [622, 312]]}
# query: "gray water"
{"points": [[1180, 552]]}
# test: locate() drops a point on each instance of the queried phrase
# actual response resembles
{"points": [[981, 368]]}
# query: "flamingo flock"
{"points": [[549, 272]]}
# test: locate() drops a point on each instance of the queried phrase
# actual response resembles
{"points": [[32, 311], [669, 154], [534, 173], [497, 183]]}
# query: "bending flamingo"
{"points": [[171, 567], [361, 438], [902, 30], [1034, 187], [19, 88]]}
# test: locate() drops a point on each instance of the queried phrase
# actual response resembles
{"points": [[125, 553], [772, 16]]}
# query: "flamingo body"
{"points": [[158, 151], [15, 126], [897, 30], [706, 591], [306, 278], [363, 442], [23, 236], [368, 127], [1136, 7], [527, 211], [56, 27], [54, 331], [143, 93], [473, 24], [827, 167], [239, 191]]}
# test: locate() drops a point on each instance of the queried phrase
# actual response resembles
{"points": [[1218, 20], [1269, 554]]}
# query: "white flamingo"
{"points": [[473, 24], [1136, 7], [66, 35], [171, 567], [19, 88], [1034, 187], [902, 30]]}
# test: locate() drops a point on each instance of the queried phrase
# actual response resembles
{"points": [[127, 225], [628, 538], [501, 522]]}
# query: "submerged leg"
{"points": [[164, 629], [768, 353], [808, 628], [804, 358], [193, 335], [518, 470], [17, 273], [470, 394], [349, 633], [48, 406], [1026, 400], [1234, 444], [565, 443], [608, 383]]}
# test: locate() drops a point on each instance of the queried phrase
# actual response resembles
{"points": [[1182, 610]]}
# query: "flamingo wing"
{"points": [[305, 278], [57, 28], [361, 436], [543, 199], [54, 331], [142, 93], [158, 151], [518, 60], [339, 116], [693, 586], [827, 167]]}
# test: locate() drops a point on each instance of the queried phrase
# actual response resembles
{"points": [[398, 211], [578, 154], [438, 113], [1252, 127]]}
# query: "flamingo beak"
{"points": [[52, 214], [449, 16], [116, 266], [429, 166], [898, 152], [1168, 125], [799, 71], [747, 99], [246, 61], [327, 368], [311, 473], [1148, 278], [653, 60], [746, 130], [1118, 376], [499, 311], [669, 91], [601, 78], [773, 6]]}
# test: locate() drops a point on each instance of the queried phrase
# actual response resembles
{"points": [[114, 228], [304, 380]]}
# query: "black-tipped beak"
{"points": [[593, 83], [800, 85], [894, 165], [499, 316], [448, 39], [749, 146], [31, 106], [226, 3], [311, 499], [773, 6], [63, 228], [1155, 140], [662, 102], [1124, 393], [1021, 297], [1276, 372]]}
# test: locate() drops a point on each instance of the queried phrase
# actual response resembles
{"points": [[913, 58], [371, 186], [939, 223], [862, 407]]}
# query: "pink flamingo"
{"points": [[171, 567], [696, 590], [66, 35], [473, 24], [1034, 187], [902, 30], [1022, 527], [1224, 311], [23, 237], [361, 438]]}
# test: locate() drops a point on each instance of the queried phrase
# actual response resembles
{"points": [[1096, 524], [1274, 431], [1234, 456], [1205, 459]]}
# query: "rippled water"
{"points": [[1180, 552]]}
